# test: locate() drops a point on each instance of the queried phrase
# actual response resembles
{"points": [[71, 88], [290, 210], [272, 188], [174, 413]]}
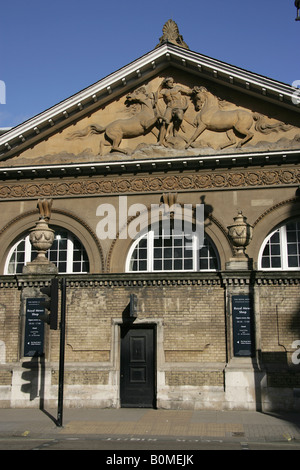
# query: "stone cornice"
{"points": [[279, 278], [260, 278], [140, 280], [125, 166]]}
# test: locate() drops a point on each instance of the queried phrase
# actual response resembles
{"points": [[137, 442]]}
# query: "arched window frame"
{"points": [[28, 250], [283, 247], [194, 257]]}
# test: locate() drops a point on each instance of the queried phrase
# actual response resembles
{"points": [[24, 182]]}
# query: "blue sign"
{"points": [[242, 322], [34, 328]]}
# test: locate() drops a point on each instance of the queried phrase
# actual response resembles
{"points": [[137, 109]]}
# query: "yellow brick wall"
{"points": [[10, 321], [81, 377], [195, 378], [279, 307], [5, 377], [193, 326], [193, 321]]}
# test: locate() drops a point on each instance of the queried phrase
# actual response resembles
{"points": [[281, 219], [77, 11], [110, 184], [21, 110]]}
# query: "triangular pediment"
{"points": [[124, 115]]}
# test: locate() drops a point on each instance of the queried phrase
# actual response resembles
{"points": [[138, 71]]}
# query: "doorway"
{"points": [[138, 365]]}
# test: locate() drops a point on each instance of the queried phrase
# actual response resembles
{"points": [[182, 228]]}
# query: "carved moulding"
{"points": [[144, 184]]}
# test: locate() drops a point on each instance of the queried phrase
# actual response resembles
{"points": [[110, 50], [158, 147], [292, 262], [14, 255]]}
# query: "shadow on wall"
{"points": [[283, 365], [282, 396], [31, 377], [34, 381], [279, 389]]}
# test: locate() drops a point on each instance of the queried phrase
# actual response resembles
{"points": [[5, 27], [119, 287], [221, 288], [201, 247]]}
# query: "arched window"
{"points": [[281, 248], [67, 253], [175, 250]]}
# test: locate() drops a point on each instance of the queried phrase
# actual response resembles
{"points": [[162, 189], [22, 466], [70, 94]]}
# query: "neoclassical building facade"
{"points": [[166, 198]]}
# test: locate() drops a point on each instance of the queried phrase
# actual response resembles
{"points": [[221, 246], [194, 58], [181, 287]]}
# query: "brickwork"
{"points": [[5, 377], [197, 378], [194, 324], [10, 321], [279, 307], [88, 327], [190, 315], [193, 321], [284, 379], [82, 377]]}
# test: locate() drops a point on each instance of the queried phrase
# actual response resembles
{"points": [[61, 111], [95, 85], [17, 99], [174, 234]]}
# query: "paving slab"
{"points": [[132, 422]]}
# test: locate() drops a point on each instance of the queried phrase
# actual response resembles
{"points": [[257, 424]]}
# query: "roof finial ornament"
{"points": [[171, 34]]}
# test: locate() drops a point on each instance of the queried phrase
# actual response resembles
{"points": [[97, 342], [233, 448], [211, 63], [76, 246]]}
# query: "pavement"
{"points": [[151, 424]]}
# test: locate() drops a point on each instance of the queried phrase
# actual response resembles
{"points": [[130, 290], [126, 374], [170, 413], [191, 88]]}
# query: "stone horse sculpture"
{"points": [[137, 125], [213, 118]]}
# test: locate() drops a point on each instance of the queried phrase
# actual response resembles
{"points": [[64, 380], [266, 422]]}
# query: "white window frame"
{"points": [[28, 250], [150, 256], [283, 250]]}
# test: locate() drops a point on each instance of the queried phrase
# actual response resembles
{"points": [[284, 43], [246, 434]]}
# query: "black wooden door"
{"points": [[137, 385]]}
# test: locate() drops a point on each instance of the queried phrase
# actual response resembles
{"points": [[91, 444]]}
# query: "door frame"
{"points": [[116, 355], [139, 326]]}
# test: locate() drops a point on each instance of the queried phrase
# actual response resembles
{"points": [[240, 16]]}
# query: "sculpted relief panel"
{"points": [[163, 113], [165, 118]]}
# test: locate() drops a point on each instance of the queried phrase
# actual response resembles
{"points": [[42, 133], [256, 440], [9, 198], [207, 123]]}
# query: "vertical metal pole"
{"points": [[61, 354]]}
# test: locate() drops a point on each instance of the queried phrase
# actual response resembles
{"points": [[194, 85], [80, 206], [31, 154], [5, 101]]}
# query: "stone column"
{"points": [[31, 382], [243, 377]]}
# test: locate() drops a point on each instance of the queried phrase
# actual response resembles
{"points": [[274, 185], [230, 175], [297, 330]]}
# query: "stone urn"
{"points": [[240, 234], [41, 237]]}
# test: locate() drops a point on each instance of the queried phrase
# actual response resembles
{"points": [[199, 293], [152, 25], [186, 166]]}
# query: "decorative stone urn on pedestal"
{"points": [[240, 234], [41, 237]]}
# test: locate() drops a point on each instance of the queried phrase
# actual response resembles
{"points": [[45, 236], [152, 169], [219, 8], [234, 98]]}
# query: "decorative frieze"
{"points": [[247, 178]]}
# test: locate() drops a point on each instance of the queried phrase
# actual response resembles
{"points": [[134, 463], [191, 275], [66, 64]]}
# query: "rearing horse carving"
{"points": [[213, 118], [137, 125]]}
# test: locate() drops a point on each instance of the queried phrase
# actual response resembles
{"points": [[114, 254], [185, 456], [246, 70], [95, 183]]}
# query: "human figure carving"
{"points": [[176, 105]]}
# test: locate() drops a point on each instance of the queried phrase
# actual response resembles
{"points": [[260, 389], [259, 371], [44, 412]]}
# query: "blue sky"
{"points": [[51, 50]]}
